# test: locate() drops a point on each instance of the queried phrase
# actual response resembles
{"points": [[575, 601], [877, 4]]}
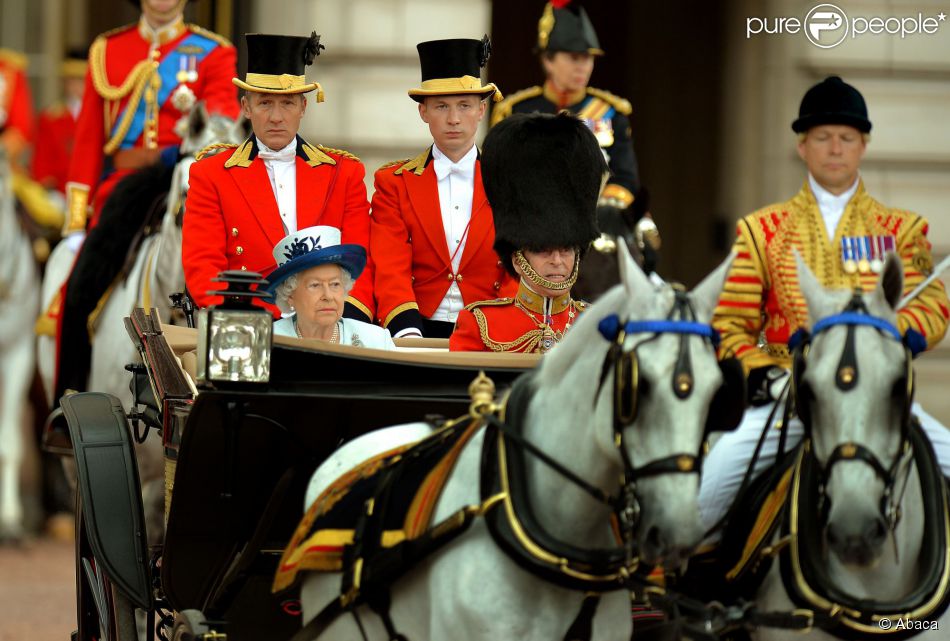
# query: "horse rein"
{"points": [[846, 378]]}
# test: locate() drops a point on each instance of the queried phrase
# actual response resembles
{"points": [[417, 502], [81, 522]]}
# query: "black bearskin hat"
{"points": [[832, 102], [542, 174]]}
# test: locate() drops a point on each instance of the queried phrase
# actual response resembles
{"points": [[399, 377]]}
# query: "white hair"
{"points": [[286, 289]]}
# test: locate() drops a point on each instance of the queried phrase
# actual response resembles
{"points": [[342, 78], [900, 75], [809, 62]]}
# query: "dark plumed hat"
{"points": [[542, 175], [565, 26], [832, 102], [277, 64]]}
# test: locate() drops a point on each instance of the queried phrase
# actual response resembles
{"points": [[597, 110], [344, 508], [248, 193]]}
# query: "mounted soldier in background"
{"points": [[568, 46], [142, 80]]}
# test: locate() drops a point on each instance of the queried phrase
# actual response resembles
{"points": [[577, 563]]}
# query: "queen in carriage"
{"points": [[314, 274]]}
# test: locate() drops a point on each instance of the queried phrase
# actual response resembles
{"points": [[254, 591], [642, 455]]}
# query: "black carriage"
{"points": [[238, 457]]}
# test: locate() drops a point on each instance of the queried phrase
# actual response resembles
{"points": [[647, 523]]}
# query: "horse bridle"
{"points": [[847, 375], [681, 320]]}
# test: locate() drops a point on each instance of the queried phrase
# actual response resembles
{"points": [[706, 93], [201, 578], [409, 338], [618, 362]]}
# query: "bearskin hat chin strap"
{"points": [[529, 272]]}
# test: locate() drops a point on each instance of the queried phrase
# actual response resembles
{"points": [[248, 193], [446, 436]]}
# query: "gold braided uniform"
{"points": [[762, 295]]}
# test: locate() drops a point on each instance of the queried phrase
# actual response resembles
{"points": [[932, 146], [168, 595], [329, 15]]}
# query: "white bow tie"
{"points": [[443, 169], [286, 154]]}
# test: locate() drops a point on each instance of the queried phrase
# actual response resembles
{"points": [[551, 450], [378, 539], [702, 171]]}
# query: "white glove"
{"points": [[74, 240]]}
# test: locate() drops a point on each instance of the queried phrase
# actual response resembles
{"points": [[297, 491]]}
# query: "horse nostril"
{"points": [[655, 540]]}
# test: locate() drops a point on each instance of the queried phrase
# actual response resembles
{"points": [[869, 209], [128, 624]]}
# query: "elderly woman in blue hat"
{"points": [[313, 277]]}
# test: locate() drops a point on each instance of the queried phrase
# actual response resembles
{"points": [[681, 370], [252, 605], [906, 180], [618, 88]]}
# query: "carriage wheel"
{"points": [[189, 626], [103, 612]]}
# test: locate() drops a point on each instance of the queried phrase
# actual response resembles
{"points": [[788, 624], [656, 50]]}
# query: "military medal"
{"points": [[847, 255], [877, 254], [864, 266], [182, 75], [603, 131], [192, 68], [183, 98]]}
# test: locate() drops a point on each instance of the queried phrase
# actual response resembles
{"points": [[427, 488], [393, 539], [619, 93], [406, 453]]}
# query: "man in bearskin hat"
{"points": [[432, 232], [568, 46], [543, 174], [141, 81], [842, 234], [243, 201]]}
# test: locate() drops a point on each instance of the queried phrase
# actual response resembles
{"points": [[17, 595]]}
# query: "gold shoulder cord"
{"points": [[134, 85]]}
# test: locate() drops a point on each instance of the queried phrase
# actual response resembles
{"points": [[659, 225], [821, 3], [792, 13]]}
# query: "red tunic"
{"points": [[527, 323], [413, 263], [16, 105], [55, 137], [232, 222], [133, 100]]}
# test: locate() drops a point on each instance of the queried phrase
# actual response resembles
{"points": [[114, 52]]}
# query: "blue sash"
{"points": [[167, 71]]}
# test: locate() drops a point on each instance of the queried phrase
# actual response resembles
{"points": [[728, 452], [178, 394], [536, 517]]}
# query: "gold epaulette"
{"points": [[14, 59], [211, 35], [393, 163], [338, 152], [497, 302], [214, 147], [112, 32], [620, 104], [416, 165], [241, 156], [504, 108]]}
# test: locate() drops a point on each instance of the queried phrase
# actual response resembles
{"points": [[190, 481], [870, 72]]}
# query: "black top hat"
{"points": [[542, 175], [276, 64], [565, 26], [832, 102], [453, 67]]}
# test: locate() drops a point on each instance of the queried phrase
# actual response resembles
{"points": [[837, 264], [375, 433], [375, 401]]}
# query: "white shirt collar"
{"points": [[465, 167], [286, 154], [827, 200]]}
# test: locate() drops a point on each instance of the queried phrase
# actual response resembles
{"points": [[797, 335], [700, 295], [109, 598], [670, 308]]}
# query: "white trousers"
{"points": [[726, 464]]}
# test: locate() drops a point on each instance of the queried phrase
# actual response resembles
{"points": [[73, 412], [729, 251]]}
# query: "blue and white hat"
{"points": [[318, 245]]}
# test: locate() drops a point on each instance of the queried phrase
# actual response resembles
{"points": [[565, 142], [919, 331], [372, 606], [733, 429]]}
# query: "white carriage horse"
{"points": [[471, 589], [19, 302], [866, 524]]}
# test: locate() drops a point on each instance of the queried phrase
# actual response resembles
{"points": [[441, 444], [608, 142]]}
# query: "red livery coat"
{"points": [[407, 243], [232, 221], [55, 137]]}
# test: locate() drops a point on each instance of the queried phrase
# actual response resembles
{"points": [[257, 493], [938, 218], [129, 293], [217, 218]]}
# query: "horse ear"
{"points": [[242, 128], [812, 290], [705, 296], [632, 277], [197, 119], [891, 284]]}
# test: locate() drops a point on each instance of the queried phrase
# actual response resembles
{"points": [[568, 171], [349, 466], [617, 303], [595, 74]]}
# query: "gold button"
{"points": [[412, 278], [240, 250], [458, 278], [243, 268], [499, 263], [497, 285], [450, 276], [234, 232]]}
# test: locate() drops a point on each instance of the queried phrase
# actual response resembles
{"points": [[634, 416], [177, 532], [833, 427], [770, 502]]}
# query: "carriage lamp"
{"points": [[234, 338]]}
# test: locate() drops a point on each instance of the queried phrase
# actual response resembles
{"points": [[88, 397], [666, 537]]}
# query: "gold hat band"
{"points": [[451, 86], [270, 81], [73, 68]]}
